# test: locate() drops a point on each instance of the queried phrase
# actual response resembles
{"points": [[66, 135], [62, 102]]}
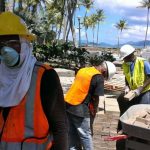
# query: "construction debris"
{"points": [[141, 119], [117, 83]]}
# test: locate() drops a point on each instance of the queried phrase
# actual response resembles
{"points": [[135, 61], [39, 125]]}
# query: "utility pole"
{"points": [[79, 31]]}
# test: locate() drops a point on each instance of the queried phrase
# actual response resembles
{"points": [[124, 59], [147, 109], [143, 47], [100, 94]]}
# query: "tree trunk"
{"points": [[98, 34], [86, 28], [20, 5], [93, 36], [14, 2], [62, 18], [146, 27], [119, 33], [65, 22], [71, 11], [87, 42], [2, 5]]}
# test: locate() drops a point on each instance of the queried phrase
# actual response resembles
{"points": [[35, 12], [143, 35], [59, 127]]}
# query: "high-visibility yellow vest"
{"points": [[138, 78], [26, 127], [79, 89]]}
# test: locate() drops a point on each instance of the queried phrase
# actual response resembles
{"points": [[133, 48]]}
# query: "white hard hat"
{"points": [[111, 68], [126, 50]]}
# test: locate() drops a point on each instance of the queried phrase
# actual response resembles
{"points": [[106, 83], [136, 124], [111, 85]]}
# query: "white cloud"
{"points": [[134, 33], [115, 10], [125, 9], [136, 18], [117, 3], [122, 8]]}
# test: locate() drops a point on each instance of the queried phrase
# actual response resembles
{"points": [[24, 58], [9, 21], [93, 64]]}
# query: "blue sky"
{"points": [[115, 10]]}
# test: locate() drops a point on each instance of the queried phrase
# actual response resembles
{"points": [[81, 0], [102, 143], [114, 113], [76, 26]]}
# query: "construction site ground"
{"points": [[106, 120]]}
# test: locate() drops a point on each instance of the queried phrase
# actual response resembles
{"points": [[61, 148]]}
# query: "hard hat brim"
{"points": [[30, 37], [126, 50], [122, 57], [126, 56]]}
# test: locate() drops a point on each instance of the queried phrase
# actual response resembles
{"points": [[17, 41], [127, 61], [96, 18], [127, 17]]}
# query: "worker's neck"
{"points": [[99, 68]]}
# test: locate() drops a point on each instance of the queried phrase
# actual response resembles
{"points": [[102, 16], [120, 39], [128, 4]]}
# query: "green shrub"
{"points": [[65, 55]]}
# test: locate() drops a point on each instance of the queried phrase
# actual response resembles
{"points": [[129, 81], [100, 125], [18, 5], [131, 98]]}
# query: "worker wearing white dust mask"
{"points": [[32, 117]]}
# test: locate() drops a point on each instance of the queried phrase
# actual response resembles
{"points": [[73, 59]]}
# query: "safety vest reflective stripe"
{"points": [[27, 123], [25, 146], [138, 78], [79, 89]]}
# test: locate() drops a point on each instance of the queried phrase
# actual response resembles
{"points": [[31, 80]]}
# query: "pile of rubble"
{"points": [[117, 83], [141, 118]]}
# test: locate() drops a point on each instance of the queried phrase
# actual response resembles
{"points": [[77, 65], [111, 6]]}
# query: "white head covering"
{"points": [[15, 82]]}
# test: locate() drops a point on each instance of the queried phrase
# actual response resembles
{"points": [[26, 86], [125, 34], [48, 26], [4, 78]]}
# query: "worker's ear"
{"points": [[105, 74], [104, 71]]}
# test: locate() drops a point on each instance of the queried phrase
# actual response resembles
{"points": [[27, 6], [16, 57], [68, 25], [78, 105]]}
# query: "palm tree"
{"points": [[71, 7], [93, 24], [100, 18], [121, 25], [88, 4], [146, 4], [86, 24]]}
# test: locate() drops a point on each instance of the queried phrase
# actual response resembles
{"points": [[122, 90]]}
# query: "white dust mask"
{"points": [[9, 56]]}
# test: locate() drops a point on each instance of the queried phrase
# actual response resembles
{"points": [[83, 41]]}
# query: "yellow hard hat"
{"points": [[11, 24]]}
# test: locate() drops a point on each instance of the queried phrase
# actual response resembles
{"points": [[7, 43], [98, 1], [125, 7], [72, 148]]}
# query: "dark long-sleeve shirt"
{"points": [[54, 107]]}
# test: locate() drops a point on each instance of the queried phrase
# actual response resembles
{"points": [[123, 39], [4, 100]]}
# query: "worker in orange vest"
{"points": [[32, 110], [82, 101]]}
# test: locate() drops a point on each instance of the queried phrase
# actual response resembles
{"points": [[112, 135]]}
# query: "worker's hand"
{"points": [[138, 91], [126, 90]]}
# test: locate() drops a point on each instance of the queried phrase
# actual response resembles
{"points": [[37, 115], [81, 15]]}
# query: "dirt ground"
{"points": [[105, 123]]}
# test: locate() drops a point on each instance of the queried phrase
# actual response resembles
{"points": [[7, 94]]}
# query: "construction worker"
{"points": [[32, 110], [137, 79], [82, 100]]}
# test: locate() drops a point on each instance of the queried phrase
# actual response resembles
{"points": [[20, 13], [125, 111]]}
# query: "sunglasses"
{"points": [[10, 43]]}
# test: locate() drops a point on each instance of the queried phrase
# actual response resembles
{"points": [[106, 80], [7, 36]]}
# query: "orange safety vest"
{"points": [[26, 126], [79, 89]]}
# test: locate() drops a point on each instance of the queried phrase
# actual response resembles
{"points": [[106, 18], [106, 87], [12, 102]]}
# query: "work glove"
{"points": [[126, 90], [138, 91]]}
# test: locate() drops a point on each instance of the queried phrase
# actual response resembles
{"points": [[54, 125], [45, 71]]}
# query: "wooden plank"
{"points": [[129, 96]]}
